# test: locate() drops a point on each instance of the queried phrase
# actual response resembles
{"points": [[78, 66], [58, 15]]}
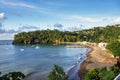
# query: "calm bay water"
{"points": [[37, 58]]}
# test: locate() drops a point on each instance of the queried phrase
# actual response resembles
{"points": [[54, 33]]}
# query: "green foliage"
{"points": [[114, 47], [102, 74], [92, 75], [57, 73], [116, 70], [102, 34], [13, 76], [105, 75], [97, 34], [44, 37]]}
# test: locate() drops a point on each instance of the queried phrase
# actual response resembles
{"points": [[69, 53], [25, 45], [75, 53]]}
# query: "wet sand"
{"points": [[83, 70]]}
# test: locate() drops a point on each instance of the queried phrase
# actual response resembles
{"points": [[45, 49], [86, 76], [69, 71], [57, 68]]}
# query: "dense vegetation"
{"points": [[102, 74], [57, 73], [12, 76], [97, 34], [44, 36], [114, 47]]}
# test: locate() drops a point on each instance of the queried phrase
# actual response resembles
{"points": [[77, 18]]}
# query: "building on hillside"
{"points": [[84, 42], [57, 41], [102, 45]]}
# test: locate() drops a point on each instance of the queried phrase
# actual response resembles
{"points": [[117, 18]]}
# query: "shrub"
{"points": [[13, 76], [114, 47], [102, 74], [57, 73]]}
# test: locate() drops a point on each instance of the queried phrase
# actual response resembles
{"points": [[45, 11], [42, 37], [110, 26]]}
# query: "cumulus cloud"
{"points": [[2, 30], [11, 31], [27, 27], [115, 21], [8, 31], [57, 25], [2, 18], [1, 15], [76, 28], [20, 29], [6, 36]]}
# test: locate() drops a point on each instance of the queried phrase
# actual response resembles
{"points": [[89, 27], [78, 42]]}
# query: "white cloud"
{"points": [[2, 31], [58, 25], [1, 16], [74, 28], [85, 19], [26, 27], [6, 36], [115, 20], [21, 4]]}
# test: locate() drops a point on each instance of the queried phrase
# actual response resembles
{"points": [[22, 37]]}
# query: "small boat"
{"points": [[21, 49], [37, 47]]}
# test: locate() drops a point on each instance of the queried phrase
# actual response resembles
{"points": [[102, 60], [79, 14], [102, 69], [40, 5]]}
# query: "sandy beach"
{"points": [[96, 58]]}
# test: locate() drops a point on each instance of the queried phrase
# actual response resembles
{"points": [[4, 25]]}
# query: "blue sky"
{"points": [[26, 15]]}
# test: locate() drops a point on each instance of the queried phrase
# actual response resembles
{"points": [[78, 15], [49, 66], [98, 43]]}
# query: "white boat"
{"points": [[21, 49], [37, 47]]}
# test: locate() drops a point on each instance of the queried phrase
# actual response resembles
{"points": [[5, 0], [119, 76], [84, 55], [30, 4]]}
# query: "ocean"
{"points": [[37, 61]]}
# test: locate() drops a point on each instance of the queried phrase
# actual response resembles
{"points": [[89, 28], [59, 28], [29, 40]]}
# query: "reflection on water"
{"points": [[29, 59]]}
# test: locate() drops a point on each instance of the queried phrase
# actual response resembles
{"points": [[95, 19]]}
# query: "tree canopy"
{"points": [[114, 47], [96, 34]]}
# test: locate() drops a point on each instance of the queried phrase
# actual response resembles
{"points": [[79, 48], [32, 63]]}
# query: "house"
{"points": [[102, 45]]}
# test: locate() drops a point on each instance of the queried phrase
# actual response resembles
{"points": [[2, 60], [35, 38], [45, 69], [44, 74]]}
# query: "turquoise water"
{"points": [[37, 58]]}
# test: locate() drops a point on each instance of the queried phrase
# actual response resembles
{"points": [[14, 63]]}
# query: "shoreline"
{"points": [[96, 58], [82, 71], [72, 72]]}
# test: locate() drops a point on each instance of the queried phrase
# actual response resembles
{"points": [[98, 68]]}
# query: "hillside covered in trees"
{"points": [[96, 34]]}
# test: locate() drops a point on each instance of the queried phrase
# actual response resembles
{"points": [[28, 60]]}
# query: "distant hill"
{"points": [[96, 34], [101, 34]]}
